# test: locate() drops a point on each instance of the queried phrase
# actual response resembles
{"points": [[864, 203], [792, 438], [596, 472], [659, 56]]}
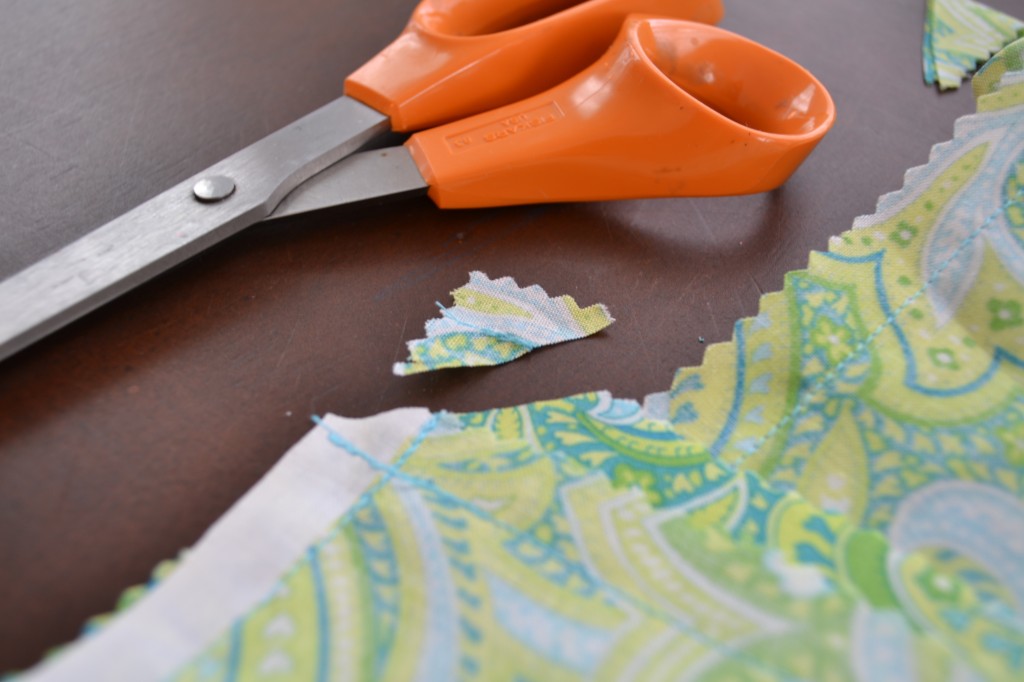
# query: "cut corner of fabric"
{"points": [[494, 321], [961, 34]]}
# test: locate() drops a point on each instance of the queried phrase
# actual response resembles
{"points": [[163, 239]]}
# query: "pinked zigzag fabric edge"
{"points": [[959, 35], [495, 321]]}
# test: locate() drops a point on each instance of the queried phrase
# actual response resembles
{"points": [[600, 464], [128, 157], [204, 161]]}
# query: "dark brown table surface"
{"points": [[125, 435]]}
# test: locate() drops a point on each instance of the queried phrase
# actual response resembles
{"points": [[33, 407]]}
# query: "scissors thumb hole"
{"points": [[673, 108]]}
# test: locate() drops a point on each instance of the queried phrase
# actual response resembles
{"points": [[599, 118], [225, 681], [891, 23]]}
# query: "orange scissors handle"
{"points": [[673, 108], [461, 57]]}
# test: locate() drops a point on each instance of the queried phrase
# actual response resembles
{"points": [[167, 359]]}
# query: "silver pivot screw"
{"points": [[213, 188]]}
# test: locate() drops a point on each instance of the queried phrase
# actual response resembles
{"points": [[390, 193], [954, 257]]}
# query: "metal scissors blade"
{"points": [[365, 176], [178, 223]]}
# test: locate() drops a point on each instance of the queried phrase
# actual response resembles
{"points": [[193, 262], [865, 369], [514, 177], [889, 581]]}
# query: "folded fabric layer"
{"points": [[239, 560], [1003, 70], [960, 34], [497, 321]]}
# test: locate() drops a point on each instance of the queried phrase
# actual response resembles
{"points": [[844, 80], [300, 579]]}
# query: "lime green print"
{"points": [[959, 35], [496, 321]]}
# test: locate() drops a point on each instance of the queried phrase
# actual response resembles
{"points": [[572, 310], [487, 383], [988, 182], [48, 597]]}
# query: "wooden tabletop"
{"points": [[125, 435]]}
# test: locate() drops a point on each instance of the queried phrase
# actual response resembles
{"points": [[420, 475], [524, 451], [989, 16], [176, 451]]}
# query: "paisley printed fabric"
{"points": [[578, 539], [960, 34], [836, 494], [1005, 68], [496, 321]]}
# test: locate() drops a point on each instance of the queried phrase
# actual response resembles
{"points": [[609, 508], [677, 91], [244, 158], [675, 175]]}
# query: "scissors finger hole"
{"points": [[739, 79]]}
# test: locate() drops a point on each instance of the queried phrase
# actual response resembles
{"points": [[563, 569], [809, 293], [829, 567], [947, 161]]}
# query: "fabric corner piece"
{"points": [[494, 321]]}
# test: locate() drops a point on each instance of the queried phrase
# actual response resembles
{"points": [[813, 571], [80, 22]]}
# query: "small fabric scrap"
{"points": [[958, 34], [496, 321]]}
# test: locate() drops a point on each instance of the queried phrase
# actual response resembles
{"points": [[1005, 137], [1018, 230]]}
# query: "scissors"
{"points": [[516, 101]]}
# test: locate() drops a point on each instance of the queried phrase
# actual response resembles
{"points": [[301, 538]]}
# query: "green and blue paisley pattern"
{"points": [[959, 35], [496, 321], [580, 539]]}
